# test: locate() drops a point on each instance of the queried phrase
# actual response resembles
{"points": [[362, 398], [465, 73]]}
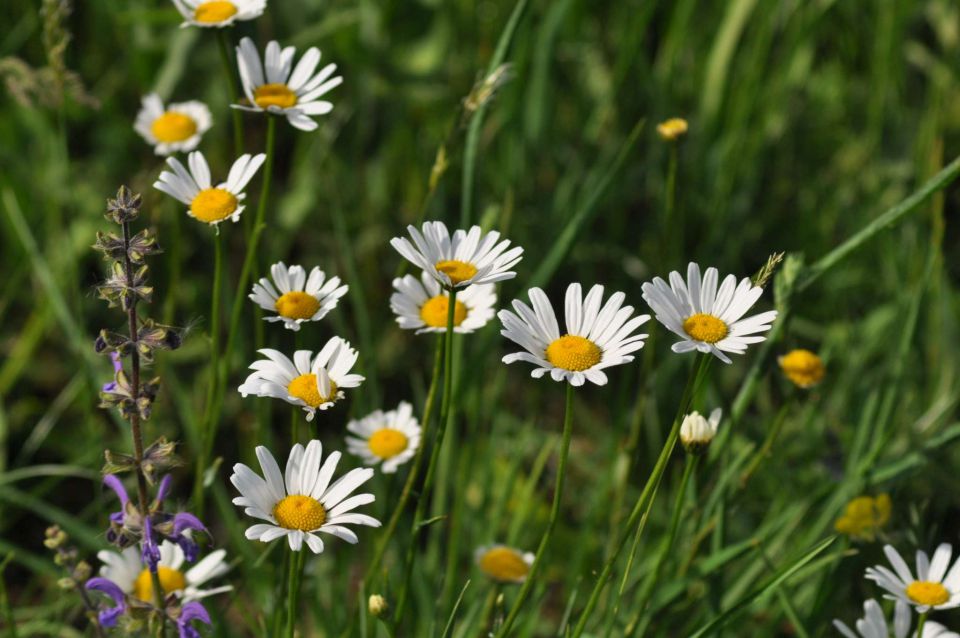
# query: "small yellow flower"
{"points": [[673, 129], [864, 516], [377, 605], [802, 367]]}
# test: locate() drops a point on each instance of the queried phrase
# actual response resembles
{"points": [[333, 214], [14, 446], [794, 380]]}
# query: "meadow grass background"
{"points": [[808, 119]]}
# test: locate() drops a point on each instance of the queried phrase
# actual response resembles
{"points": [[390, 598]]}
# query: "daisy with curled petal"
{"points": [[933, 587], [295, 297], [304, 500], [176, 127], [708, 318], [312, 382], [422, 305], [599, 335], [218, 13], [128, 572], [209, 204], [276, 86], [504, 564], [390, 438], [466, 258]]}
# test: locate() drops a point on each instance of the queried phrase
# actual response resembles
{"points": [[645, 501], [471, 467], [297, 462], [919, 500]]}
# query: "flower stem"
{"points": [[764, 450], [921, 621], [295, 567], [208, 418], [228, 68]]}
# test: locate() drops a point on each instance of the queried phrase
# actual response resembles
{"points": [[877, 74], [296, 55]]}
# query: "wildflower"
{"points": [[108, 616], [596, 337], [312, 382], [709, 320], [422, 305], [293, 95], [874, 624], [933, 588], [178, 127], [377, 605], [864, 516], [673, 129], [802, 367], [209, 204], [469, 257], [295, 297], [127, 571], [218, 13], [696, 432], [304, 500], [504, 564], [188, 613], [390, 438]]}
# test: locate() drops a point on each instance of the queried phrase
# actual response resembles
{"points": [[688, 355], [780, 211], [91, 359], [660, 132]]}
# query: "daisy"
{"points": [[178, 127], [874, 624], [697, 432], [295, 297], [707, 318], [218, 13], [804, 368], [128, 572], [422, 305], [596, 337], [313, 382], [933, 588], [469, 257], [302, 501], [389, 437], [504, 564], [209, 204], [285, 90]]}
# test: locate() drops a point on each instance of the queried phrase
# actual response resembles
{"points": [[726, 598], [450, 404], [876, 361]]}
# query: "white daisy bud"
{"points": [[696, 432], [377, 605]]}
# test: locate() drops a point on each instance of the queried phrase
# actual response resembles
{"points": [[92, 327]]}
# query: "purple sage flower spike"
{"points": [[108, 617], [188, 613]]}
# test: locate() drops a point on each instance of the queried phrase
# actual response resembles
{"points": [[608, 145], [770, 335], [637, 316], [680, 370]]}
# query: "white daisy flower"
{"points": [[933, 588], [707, 318], [218, 13], [178, 127], [422, 305], [295, 297], [596, 337], [874, 624], [283, 89], [127, 570], [209, 204], [389, 437], [504, 564], [469, 257], [303, 500], [697, 432], [313, 382]]}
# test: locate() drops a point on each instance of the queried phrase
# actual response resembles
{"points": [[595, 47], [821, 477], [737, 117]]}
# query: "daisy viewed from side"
{"points": [[304, 500], [934, 587], [218, 13], [209, 204], [598, 335], [422, 305], [312, 382], [295, 297], [128, 572], [176, 127], [390, 438], [276, 86], [504, 564], [466, 258], [708, 319], [874, 624]]}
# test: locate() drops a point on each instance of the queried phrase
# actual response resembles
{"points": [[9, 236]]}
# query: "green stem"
{"points": [[229, 69], [767, 446], [207, 434], [921, 622], [295, 567], [277, 623]]}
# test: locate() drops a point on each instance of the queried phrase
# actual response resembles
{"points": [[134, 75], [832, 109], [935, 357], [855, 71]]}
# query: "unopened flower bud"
{"points": [[377, 605], [82, 571], [66, 584], [696, 432]]}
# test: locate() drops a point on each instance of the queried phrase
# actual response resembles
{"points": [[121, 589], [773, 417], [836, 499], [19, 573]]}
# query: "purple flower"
{"points": [[164, 488], [114, 484], [108, 617], [188, 613], [181, 523], [117, 367], [150, 553]]}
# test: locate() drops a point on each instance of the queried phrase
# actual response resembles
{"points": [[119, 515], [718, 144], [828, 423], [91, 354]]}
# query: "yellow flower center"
{"points": [[672, 129], [434, 312], [171, 580], [297, 305], [706, 328], [573, 353], [803, 367], [924, 592], [173, 127], [213, 205], [457, 271], [278, 95], [504, 564], [305, 388], [214, 11], [300, 512], [387, 443]]}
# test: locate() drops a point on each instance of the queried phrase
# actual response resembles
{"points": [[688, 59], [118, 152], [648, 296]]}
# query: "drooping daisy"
{"points": [[874, 624], [596, 337], [391, 438], [275, 86], [313, 382], [127, 570], [466, 258], [209, 204], [707, 318], [295, 297], [422, 305], [933, 588], [697, 432], [304, 500], [178, 127], [864, 516], [504, 564], [218, 13]]}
